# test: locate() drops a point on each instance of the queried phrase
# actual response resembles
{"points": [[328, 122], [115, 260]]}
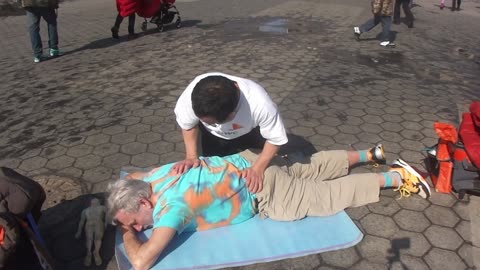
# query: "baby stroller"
{"points": [[160, 12]]}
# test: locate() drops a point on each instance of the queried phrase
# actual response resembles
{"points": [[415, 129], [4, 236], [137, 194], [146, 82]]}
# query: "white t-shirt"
{"points": [[255, 109]]}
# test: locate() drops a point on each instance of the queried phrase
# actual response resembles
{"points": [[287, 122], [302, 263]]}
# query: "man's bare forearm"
{"points": [[190, 138], [143, 255], [268, 153], [132, 245]]}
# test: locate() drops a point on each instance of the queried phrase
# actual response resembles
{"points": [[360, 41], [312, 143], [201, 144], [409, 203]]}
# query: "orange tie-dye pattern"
{"points": [[202, 224], [196, 200], [209, 196]]}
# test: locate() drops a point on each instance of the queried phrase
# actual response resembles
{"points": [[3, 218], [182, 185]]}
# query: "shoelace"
{"points": [[406, 190]]}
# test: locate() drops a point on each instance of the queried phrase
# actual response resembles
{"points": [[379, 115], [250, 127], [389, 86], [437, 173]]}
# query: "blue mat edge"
{"points": [[270, 259]]}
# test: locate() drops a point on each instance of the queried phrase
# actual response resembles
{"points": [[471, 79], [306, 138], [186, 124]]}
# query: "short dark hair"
{"points": [[215, 96]]}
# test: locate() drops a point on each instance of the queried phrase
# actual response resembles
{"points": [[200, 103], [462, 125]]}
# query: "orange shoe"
{"points": [[413, 182]]}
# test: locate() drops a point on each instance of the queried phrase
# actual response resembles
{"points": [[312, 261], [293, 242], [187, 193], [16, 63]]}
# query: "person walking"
{"points": [[126, 8], [46, 9], [406, 9], [382, 13]]}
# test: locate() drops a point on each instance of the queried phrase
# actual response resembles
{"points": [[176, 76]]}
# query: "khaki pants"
{"points": [[318, 186]]}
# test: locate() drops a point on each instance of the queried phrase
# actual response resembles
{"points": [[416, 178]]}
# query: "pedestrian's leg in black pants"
{"points": [[459, 2], [454, 2], [408, 13], [131, 24], [396, 12], [118, 21], [116, 26]]}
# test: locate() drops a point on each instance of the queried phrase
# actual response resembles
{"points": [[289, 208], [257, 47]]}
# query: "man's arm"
{"points": [[143, 255], [190, 138], [254, 174]]}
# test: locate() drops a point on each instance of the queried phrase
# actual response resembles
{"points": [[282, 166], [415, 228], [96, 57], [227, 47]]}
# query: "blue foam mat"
{"points": [[254, 241]]}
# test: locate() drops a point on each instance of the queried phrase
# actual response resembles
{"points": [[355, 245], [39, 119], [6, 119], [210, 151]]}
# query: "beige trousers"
{"points": [[318, 186]]}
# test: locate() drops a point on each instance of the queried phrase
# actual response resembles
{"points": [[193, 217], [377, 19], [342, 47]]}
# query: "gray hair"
{"points": [[125, 195]]}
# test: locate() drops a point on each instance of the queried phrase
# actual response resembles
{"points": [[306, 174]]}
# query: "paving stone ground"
{"points": [[72, 122]]}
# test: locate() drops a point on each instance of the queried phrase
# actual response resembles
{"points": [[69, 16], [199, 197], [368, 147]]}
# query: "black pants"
{"points": [[406, 9], [215, 146], [459, 2], [131, 23]]}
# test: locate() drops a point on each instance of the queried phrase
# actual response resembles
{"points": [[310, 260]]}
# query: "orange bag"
{"points": [[442, 176]]}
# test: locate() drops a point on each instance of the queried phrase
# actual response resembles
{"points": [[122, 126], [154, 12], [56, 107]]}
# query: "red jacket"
{"points": [[127, 7]]}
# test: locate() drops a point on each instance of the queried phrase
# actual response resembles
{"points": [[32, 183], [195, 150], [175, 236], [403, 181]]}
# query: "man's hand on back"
{"points": [[185, 165], [254, 179]]}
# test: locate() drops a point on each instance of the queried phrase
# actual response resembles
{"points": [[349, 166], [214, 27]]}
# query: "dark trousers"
{"points": [[215, 146], [131, 23], [34, 14], [386, 24], [406, 9], [458, 2]]}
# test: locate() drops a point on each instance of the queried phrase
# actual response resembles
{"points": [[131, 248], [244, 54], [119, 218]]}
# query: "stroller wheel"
{"points": [[144, 26], [160, 27], [178, 23]]}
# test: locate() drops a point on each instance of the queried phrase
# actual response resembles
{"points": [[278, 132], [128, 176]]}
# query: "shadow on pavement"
{"points": [[58, 226], [109, 41], [397, 245], [297, 145]]}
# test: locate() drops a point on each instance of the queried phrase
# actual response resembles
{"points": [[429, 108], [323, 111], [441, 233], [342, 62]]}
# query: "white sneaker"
{"points": [[357, 33], [387, 44], [39, 59]]}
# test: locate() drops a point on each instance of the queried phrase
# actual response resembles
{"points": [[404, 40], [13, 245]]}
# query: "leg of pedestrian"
{"points": [[367, 26], [408, 13], [131, 26], [50, 16], [116, 26], [33, 21], [386, 25], [396, 12]]}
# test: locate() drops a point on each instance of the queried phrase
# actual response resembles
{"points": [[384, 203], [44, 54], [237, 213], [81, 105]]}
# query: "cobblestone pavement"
{"points": [[73, 122]]}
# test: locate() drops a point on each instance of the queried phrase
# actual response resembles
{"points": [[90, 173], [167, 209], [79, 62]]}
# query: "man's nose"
{"points": [[138, 228]]}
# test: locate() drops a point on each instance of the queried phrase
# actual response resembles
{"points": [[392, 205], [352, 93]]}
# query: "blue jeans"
{"points": [[34, 14], [386, 24]]}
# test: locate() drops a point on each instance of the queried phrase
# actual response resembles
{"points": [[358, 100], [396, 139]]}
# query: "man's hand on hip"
{"points": [[254, 179], [185, 165]]}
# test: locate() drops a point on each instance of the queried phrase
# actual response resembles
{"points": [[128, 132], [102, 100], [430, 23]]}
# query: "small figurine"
{"points": [[94, 218]]}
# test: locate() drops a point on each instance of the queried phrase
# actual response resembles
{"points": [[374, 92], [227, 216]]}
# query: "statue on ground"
{"points": [[94, 219]]}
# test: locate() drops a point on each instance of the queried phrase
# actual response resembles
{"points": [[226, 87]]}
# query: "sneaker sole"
{"points": [[426, 189], [379, 151]]}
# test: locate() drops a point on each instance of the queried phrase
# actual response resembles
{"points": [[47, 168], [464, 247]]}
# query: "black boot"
{"points": [[114, 32]]}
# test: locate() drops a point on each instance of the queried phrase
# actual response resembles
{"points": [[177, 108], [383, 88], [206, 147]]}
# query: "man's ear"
{"points": [[146, 202]]}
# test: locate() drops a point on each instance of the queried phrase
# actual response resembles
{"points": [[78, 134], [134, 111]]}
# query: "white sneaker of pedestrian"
{"points": [[387, 44], [356, 33]]}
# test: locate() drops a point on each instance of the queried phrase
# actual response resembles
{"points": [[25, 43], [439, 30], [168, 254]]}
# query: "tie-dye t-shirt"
{"points": [[206, 197]]}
